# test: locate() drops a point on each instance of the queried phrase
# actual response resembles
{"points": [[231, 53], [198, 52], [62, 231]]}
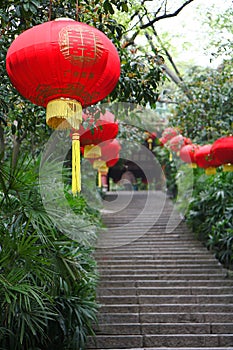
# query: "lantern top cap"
{"points": [[63, 19]]}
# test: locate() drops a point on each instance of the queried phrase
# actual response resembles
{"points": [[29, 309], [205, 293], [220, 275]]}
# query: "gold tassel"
{"points": [[64, 113], [150, 141], [228, 167], [76, 171], [92, 151], [210, 171], [170, 156], [192, 165], [99, 179], [98, 164]]}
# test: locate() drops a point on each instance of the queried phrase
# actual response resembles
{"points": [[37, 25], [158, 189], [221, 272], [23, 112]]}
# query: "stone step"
{"points": [[176, 348], [166, 299], [165, 283], [170, 291], [153, 308], [161, 255], [157, 270], [165, 317], [202, 264], [179, 340], [154, 276], [164, 328]]}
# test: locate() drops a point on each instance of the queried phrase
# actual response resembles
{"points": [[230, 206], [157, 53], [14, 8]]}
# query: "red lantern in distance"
{"points": [[177, 142], [105, 128], [222, 149], [188, 154], [150, 137], [206, 160], [109, 156], [168, 134], [64, 65]]}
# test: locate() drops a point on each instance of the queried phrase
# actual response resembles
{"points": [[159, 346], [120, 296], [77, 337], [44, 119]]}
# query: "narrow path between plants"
{"points": [[159, 287]]}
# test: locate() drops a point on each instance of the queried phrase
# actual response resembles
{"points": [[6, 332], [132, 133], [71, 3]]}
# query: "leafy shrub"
{"points": [[47, 281], [210, 214]]}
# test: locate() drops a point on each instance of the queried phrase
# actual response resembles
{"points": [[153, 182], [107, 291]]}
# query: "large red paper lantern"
{"points": [[188, 154], [222, 149], [64, 66], [205, 159]]}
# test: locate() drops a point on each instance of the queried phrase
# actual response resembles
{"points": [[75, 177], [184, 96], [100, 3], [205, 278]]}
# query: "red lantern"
{"points": [[150, 136], [188, 154], [63, 65], [205, 159], [168, 134], [113, 161], [222, 149], [109, 156], [177, 142], [105, 128]]}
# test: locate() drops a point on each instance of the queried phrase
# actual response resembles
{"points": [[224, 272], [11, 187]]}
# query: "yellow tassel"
{"points": [[170, 156], [150, 141], [92, 151], [99, 179], [64, 113], [192, 165], [227, 167], [76, 171], [210, 171], [97, 164]]}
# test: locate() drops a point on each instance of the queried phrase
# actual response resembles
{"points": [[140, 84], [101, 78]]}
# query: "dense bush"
{"points": [[47, 281], [210, 213]]}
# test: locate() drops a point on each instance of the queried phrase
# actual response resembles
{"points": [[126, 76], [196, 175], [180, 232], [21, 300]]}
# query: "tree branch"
{"points": [[166, 15]]}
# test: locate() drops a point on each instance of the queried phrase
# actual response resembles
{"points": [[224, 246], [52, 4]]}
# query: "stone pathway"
{"points": [[159, 287]]}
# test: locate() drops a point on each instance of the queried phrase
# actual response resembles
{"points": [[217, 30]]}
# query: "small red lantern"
{"points": [[105, 128], [177, 142], [109, 156], [113, 161], [168, 134], [188, 154], [222, 149], [150, 137], [205, 159], [64, 66]]}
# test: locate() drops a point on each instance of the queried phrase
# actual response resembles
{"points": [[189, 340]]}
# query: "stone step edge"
{"points": [[209, 348]]}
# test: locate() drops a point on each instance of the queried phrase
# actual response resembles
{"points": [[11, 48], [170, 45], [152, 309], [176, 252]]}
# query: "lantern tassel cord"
{"points": [[76, 169], [99, 179]]}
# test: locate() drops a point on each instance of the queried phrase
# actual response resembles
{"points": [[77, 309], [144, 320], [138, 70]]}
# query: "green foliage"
{"points": [[168, 166], [211, 214], [207, 113], [47, 283]]}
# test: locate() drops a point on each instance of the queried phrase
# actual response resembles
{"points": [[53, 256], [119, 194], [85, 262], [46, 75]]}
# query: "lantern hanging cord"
{"points": [[50, 10], [77, 11]]}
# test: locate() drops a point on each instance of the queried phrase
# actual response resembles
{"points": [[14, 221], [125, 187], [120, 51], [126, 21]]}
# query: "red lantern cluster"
{"points": [[109, 157], [208, 157]]}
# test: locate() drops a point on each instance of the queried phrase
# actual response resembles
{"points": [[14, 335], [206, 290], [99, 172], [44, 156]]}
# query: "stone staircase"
{"points": [[159, 287]]}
